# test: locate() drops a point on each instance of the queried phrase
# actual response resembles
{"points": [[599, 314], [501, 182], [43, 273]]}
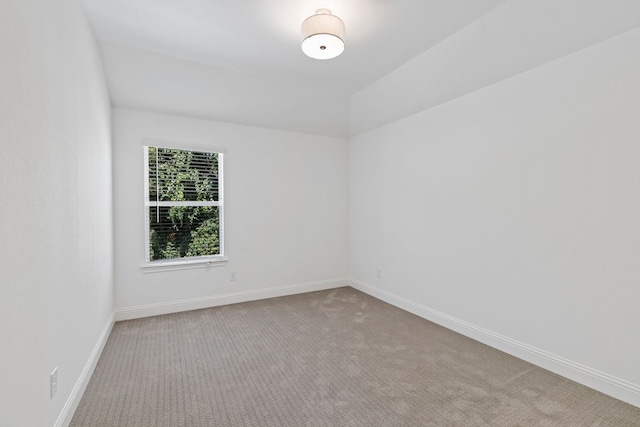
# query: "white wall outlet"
{"points": [[53, 383], [234, 276], [378, 273]]}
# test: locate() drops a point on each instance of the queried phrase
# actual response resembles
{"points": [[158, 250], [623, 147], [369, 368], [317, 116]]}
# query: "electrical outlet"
{"points": [[234, 276], [378, 273], [53, 383]]}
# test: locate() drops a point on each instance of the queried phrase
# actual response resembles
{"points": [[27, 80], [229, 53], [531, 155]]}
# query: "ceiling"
{"points": [[240, 61]]}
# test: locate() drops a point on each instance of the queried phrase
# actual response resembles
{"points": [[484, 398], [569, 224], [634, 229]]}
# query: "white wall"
{"points": [[56, 292], [285, 214], [516, 209]]}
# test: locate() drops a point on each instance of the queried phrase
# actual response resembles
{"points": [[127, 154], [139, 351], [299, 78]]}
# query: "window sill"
{"points": [[173, 265]]}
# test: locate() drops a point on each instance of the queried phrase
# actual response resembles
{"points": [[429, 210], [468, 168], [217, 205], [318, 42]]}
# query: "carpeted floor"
{"points": [[329, 358]]}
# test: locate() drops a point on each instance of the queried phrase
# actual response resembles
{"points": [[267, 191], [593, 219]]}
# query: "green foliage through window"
{"points": [[184, 204]]}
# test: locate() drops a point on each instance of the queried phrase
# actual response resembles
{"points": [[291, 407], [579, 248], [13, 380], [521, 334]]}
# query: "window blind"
{"points": [[183, 203]]}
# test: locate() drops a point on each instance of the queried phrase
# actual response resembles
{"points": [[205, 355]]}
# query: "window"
{"points": [[183, 206]]}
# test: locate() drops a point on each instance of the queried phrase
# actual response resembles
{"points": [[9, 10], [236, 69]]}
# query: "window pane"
{"points": [[183, 231], [180, 175]]}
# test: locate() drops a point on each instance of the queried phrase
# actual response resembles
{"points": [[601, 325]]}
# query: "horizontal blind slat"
{"points": [[169, 203]]}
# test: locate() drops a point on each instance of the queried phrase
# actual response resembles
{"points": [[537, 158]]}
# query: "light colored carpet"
{"points": [[329, 358]]}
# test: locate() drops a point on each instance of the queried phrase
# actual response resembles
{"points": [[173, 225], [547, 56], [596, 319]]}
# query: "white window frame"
{"points": [[188, 262]]}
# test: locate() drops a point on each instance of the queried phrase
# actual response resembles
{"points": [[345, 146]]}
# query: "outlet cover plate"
{"points": [[53, 383]]}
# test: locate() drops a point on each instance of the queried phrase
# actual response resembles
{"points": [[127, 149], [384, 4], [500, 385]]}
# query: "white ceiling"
{"points": [[263, 36], [240, 60]]}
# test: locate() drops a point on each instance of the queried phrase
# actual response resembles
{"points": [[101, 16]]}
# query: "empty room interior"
{"points": [[407, 212]]}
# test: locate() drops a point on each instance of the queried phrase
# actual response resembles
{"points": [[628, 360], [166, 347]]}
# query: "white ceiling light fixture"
{"points": [[323, 35]]}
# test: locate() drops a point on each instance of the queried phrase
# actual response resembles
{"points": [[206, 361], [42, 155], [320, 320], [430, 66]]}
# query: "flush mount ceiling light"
{"points": [[323, 35]]}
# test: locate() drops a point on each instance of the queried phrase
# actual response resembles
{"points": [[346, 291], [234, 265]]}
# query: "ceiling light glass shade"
{"points": [[323, 35]]}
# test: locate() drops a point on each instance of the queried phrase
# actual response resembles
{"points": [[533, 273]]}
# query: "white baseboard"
{"points": [[600, 381], [64, 419], [224, 299]]}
